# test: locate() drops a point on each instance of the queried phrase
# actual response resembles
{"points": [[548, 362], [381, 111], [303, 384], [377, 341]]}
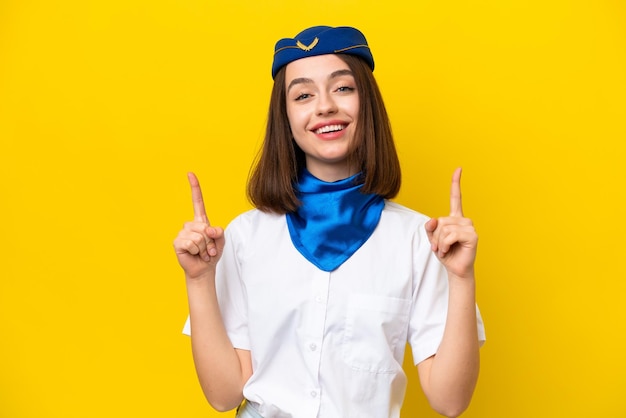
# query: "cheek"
{"points": [[355, 109], [291, 117], [296, 122]]}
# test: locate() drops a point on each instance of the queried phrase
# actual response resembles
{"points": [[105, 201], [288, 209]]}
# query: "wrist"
{"points": [[201, 278], [462, 281], [466, 273]]}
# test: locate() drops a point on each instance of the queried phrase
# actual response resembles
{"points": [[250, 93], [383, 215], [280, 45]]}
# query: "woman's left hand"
{"points": [[453, 238]]}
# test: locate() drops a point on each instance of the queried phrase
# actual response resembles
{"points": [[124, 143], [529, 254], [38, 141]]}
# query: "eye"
{"points": [[302, 96], [345, 89]]}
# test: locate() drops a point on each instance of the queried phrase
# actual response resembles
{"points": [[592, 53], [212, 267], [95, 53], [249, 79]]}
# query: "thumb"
{"points": [[217, 234], [215, 231], [430, 226]]}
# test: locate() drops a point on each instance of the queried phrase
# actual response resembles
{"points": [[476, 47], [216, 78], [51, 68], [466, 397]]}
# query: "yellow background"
{"points": [[105, 105]]}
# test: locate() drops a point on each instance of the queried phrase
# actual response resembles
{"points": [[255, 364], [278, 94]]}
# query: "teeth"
{"points": [[328, 128]]}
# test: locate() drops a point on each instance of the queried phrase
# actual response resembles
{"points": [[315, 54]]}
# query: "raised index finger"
{"points": [[456, 208], [199, 213]]}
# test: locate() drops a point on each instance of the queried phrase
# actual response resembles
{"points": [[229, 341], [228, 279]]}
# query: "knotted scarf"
{"points": [[334, 220]]}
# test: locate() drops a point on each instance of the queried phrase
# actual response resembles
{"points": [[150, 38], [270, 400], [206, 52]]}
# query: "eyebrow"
{"points": [[304, 80]]}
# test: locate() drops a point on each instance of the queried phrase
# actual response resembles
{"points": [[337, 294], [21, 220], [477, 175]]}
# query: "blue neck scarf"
{"points": [[334, 220]]}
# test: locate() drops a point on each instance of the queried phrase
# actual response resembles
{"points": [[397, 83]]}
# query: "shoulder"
{"points": [[396, 212], [254, 220], [400, 222], [256, 215], [255, 231]]}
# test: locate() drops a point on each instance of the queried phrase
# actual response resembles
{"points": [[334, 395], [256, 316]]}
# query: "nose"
{"points": [[326, 104]]}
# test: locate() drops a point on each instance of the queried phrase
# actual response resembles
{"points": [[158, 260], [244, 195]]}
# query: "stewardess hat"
{"points": [[320, 40]]}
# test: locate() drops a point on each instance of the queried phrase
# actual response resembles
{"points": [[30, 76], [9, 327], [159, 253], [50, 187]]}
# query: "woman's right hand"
{"points": [[198, 245]]}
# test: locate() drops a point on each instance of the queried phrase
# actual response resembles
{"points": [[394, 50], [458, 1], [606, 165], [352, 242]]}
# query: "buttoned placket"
{"points": [[315, 334]]}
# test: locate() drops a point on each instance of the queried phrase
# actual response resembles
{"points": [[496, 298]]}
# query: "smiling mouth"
{"points": [[329, 128]]}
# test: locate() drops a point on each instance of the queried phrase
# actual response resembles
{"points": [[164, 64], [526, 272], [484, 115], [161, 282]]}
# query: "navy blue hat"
{"points": [[320, 40]]}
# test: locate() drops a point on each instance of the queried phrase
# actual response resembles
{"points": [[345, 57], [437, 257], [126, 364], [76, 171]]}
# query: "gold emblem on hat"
{"points": [[307, 47]]}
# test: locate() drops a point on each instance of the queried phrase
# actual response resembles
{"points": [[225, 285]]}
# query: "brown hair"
{"points": [[271, 183]]}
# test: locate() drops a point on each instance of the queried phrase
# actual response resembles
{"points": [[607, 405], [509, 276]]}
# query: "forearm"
{"points": [[453, 372], [217, 363]]}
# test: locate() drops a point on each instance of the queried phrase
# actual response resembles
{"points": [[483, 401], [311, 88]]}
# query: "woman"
{"points": [[304, 306]]}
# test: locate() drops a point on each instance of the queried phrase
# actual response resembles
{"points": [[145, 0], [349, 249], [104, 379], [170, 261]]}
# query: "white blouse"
{"points": [[331, 344]]}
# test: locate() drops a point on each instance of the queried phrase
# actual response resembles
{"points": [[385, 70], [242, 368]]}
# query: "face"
{"points": [[323, 107]]}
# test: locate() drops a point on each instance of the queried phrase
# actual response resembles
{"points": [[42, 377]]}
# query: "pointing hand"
{"points": [[453, 238], [198, 245]]}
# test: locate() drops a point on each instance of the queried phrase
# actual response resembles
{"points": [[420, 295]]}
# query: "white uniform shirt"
{"points": [[332, 344]]}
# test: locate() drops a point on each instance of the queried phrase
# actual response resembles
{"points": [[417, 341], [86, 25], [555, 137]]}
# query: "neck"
{"points": [[331, 174]]}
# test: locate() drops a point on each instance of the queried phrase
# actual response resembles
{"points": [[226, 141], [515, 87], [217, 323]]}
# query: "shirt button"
{"points": [[318, 299], [313, 347], [313, 394]]}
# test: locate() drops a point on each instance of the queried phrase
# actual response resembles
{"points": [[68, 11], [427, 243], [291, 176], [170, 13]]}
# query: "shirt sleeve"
{"points": [[430, 301], [231, 292]]}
